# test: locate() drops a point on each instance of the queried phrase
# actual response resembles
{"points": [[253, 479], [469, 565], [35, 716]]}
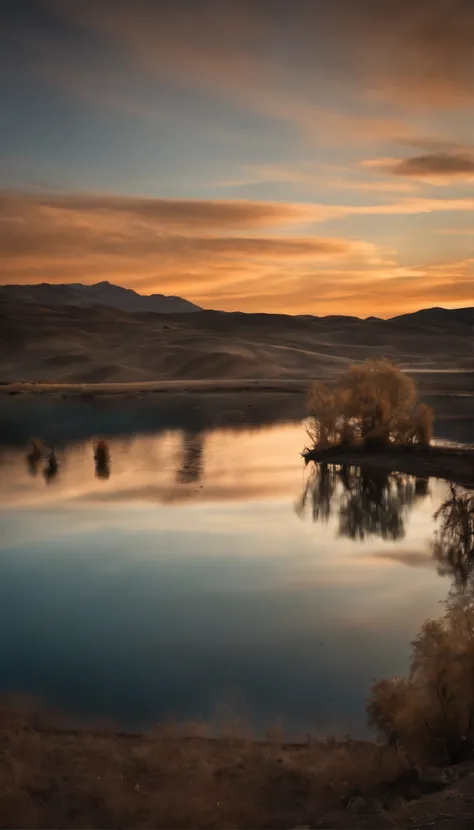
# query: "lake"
{"points": [[192, 578]]}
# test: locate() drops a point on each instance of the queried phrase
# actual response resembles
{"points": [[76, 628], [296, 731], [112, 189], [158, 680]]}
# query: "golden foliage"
{"points": [[374, 403], [432, 712]]}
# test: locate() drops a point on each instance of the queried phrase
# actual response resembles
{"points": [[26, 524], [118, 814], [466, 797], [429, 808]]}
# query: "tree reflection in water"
{"points": [[370, 502], [33, 464], [102, 459], [51, 469], [454, 541], [377, 504], [318, 492], [35, 456], [191, 468]]}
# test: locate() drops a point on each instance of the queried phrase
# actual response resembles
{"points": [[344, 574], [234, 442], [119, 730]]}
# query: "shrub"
{"points": [[432, 712], [414, 427], [373, 403], [328, 420]]}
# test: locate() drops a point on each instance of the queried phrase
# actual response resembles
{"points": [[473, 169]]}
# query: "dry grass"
{"points": [[53, 776]]}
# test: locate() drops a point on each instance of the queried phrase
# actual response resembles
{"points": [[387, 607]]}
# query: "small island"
{"points": [[371, 416]]}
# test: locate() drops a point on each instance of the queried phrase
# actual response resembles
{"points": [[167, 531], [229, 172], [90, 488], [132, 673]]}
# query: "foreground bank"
{"points": [[62, 777]]}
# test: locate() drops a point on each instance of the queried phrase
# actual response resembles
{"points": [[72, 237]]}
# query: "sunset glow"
{"points": [[254, 155]]}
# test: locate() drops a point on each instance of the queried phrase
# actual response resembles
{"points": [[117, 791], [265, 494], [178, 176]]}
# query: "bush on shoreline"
{"points": [[373, 403], [431, 713]]}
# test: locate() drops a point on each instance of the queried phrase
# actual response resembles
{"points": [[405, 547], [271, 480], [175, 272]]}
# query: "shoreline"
{"points": [[27, 408], [286, 385], [432, 382], [101, 779], [452, 463]]}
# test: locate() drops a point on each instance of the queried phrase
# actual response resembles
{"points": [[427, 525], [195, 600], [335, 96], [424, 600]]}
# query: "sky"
{"points": [[290, 156]]}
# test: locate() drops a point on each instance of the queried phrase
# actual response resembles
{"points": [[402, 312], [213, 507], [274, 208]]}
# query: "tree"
{"points": [[374, 403], [431, 713]]}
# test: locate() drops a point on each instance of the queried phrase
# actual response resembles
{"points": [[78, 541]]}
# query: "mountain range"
{"points": [[102, 293], [104, 334]]}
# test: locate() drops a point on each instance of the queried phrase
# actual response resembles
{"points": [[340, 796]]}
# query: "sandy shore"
{"points": [[432, 383]]}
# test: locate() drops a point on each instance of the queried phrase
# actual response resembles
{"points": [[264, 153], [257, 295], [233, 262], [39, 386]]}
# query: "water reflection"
{"points": [[374, 503], [369, 502], [102, 459], [454, 541], [164, 468], [318, 492], [190, 468], [34, 456], [51, 467], [184, 580], [33, 464], [377, 504], [75, 419]]}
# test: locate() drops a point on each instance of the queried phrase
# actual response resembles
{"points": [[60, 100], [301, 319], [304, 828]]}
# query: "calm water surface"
{"points": [[195, 577]]}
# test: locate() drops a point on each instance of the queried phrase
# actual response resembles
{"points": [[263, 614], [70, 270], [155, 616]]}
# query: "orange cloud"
{"points": [[383, 288], [227, 47], [211, 48], [434, 168], [172, 213], [101, 211], [375, 187], [312, 178], [59, 227], [411, 51], [215, 253], [413, 206], [438, 164], [188, 243]]}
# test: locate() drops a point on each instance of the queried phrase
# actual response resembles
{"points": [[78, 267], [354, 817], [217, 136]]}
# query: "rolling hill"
{"points": [[99, 343]]}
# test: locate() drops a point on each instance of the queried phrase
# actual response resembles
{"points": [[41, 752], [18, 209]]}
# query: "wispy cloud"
{"points": [[229, 47], [291, 98], [222, 51], [314, 178], [232, 255], [179, 214], [437, 168], [372, 187], [57, 237], [469, 231]]}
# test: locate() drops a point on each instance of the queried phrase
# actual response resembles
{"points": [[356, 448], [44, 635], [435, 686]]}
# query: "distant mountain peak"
{"points": [[102, 293]]}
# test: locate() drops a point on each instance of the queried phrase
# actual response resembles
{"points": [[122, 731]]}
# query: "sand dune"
{"points": [[105, 345]]}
